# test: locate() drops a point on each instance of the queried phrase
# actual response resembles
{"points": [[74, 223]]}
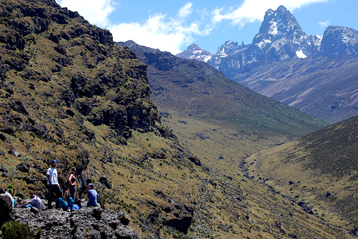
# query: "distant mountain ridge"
{"points": [[280, 38], [306, 72]]}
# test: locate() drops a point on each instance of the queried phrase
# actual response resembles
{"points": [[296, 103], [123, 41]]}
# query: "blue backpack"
{"points": [[62, 204]]}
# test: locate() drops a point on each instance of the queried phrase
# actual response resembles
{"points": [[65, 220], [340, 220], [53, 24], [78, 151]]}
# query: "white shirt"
{"points": [[36, 202], [53, 176]]}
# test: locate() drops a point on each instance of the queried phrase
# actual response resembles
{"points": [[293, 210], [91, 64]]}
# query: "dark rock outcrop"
{"points": [[23, 167], [91, 222], [179, 215], [195, 160], [105, 182]]}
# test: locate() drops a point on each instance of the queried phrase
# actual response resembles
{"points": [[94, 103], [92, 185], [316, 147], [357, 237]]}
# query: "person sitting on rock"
{"points": [[34, 202], [4, 191], [92, 196], [52, 183]]}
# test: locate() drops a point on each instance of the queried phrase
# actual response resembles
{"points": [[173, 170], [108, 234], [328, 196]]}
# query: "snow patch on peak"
{"points": [[269, 12], [273, 28], [300, 54], [206, 58], [263, 43], [319, 36]]}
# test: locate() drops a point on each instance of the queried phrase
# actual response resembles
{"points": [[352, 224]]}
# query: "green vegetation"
{"points": [[15, 230]]}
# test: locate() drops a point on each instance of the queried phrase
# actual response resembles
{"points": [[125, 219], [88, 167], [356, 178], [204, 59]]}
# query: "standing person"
{"points": [[92, 195], [72, 184], [34, 202], [52, 183]]}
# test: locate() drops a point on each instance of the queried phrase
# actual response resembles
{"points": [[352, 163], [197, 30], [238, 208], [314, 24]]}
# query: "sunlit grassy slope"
{"points": [[319, 169]]}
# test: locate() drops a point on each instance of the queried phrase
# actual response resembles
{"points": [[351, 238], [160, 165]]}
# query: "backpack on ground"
{"points": [[62, 204], [70, 203]]}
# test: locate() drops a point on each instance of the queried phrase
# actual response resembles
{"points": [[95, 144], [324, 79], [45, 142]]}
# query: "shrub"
{"points": [[16, 230]]}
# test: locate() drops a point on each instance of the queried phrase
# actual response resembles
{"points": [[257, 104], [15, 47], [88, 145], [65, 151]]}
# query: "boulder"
{"points": [[123, 218], [5, 208], [23, 167], [4, 138], [14, 152], [195, 160], [105, 182], [19, 106]]}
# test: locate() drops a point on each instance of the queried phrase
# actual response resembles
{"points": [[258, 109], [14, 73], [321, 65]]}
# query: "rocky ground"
{"points": [[87, 222]]}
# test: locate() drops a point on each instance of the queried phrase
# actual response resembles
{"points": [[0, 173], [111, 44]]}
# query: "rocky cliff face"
{"points": [[44, 43]]}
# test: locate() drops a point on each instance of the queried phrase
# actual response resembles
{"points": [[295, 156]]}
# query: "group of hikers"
{"points": [[54, 192]]}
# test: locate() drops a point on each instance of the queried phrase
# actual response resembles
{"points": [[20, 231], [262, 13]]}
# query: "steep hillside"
{"points": [[322, 86], [318, 171], [68, 92], [199, 91]]}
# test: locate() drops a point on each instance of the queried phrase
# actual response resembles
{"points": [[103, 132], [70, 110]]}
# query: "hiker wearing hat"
{"points": [[92, 195], [52, 183]]}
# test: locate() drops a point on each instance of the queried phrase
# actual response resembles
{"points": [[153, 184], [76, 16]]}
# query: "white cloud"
{"points": [[154, 33], [254, 10], [95, 11], [324, 24], [162, 32], [158, 31], [186, 10]]}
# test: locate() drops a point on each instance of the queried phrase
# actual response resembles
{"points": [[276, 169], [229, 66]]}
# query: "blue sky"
{"points": [[174, 25]]}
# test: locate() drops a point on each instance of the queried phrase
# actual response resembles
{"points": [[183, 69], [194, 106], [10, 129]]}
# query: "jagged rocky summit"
{"points": [[339, 41]]}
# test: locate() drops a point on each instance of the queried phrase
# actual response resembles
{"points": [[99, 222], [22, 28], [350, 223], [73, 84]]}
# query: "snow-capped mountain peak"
{"points": [[195, 52]]}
